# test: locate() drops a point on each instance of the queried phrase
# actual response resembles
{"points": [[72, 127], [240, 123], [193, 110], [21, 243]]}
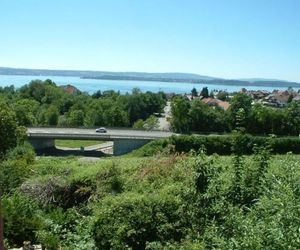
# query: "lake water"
{"points": [[92, 85]]}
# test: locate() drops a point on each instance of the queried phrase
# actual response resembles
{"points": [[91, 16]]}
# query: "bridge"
{"points": [[124, 140]]}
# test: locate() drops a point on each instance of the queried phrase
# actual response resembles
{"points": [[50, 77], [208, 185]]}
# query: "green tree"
{"points": [[223, 96], [8, 129], [76, 118], [26, 111], [135, 107], [204, 118], [239, 101], [51, 115], [204, 92], [21, 218], [293, 118], [180, 120], [34, 90], [240, 119], [115, 116], [139, 124], [151, 123], [194, 92]]}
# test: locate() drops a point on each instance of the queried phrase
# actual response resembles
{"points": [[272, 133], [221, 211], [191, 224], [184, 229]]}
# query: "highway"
{"points": [[90, 134]]}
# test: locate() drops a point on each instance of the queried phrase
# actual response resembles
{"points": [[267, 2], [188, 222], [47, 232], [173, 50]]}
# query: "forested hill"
{"points": [[96, 74], [142, 76]]}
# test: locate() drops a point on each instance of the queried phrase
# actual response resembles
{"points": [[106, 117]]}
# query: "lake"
{"points": [[92, 85]]}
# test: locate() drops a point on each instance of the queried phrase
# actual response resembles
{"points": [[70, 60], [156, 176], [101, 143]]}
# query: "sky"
{"points": [[222, 38]]}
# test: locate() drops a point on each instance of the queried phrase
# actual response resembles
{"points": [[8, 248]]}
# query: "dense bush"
{"points": [[284, 145], [132, 221], [21, 218], [222, 145], [151, 148], [169, 201], [66, 229], [16, 167]]}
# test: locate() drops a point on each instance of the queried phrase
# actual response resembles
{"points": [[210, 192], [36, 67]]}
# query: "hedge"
{"points": [[222, 144]]}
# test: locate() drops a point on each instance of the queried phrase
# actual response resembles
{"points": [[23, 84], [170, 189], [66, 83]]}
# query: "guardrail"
{"points": [[108, 128], [91, 136]]}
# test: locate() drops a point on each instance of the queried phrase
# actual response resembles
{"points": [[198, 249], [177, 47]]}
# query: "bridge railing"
{"points": [[89, 136], [95, 127]]}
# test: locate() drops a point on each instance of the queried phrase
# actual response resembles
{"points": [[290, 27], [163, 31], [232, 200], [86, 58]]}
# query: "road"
{"points": [[163, 122], [77, 133]]}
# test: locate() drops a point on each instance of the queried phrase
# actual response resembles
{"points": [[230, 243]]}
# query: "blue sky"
{"points": [[223, 38]]}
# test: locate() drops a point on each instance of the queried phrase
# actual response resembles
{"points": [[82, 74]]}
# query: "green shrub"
{"points": [[22, 152], [222, 145], [132, 221], [66, 229], [151, 148], [21, 219], [12, 174], [284, 145]]}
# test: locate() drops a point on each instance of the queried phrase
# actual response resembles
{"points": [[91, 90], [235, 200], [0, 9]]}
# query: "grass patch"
{"points": [[76, 143]]}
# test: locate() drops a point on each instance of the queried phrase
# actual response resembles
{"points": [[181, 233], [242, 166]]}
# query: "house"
{"points": [[189, 97], [70, 89], [258, 94], [297, 99], [279, 99], [216, 102]]}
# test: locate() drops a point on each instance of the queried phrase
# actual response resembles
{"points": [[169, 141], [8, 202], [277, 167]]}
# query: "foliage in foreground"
{"points": [[219, 144], [168, 201]]}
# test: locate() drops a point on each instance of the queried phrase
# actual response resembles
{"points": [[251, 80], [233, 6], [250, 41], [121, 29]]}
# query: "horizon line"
{"points": [[147, 72]]}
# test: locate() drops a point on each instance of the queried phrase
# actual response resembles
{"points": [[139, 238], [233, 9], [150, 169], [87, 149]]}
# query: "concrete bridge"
{"points": [[124, 140]]}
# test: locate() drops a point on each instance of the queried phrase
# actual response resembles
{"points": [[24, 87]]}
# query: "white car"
{"points": [[101, 130]]}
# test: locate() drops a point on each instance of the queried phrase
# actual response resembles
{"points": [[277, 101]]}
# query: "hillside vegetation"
{"points": [[167, 201], [187, 192]]}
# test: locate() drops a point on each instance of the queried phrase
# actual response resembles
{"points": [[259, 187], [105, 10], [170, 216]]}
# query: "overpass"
{"points": [[125, 140]]}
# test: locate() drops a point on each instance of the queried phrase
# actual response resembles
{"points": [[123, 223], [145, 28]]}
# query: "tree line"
{"points": [[44, 103], [196, 116]]}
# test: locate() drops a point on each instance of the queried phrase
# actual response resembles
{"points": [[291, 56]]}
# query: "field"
{"points": [[76, 143]]}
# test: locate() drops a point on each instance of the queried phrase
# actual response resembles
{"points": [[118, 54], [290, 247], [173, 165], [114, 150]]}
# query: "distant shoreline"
{"points": [[196, 81], [149, 77]]}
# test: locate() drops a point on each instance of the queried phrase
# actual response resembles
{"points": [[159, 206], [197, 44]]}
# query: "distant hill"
{"points": [[143, 76], [95, 74], [261, 80]]}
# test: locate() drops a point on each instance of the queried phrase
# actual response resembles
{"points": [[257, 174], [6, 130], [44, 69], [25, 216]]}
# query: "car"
{"points": [[101, 130]]}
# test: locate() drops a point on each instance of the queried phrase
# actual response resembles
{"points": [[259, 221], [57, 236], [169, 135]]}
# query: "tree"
{"points": [[34, 90], [76, 118], [240, 120], [136, 107], [180, 121], [8, 129], [51, 115], [151, 123], [115, 116], [194, 92], [8, 140], [204, 92], [293, 118], [239, 101], [223, 96], [139, 124], [97, 94], [204, 118], [26, 111]]}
